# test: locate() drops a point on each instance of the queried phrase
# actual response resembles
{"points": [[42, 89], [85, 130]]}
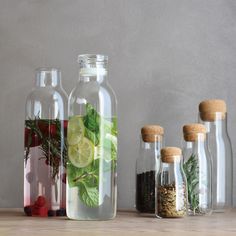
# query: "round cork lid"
{"points": [[152, 133], [194, 132], [170, 154], [210, 110]]}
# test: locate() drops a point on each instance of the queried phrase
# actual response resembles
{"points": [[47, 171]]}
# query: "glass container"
{"points": [[45, 146], [171, 193], [197, 166], [92, 143], [212, 113], [147, 166]]}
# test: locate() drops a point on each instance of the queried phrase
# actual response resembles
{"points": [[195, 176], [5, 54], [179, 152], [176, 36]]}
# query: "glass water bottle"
{"points": [[92, 143], [197, 165], [171, 193], [212, 113], [45, 146], [147, 166]]}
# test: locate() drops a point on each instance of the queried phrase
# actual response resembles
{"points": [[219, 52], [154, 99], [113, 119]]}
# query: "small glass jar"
{"points": [[197, 165], [147, 166], [92, 143], [212, 113], [171, 193], [45, 146]]}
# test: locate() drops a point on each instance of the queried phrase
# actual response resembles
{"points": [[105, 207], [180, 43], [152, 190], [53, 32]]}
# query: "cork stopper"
{"points": [[171, 154], [152, 133], [194, 132], [211, 110]]}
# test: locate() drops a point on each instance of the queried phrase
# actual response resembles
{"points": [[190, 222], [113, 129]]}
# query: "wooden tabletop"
{"points": [[13, 222]]}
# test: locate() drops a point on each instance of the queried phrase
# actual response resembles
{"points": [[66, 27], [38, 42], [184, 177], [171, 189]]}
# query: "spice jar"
{"points": [[197, 165], [147, 166], [171, 194], [45, 146], [213, 114]]}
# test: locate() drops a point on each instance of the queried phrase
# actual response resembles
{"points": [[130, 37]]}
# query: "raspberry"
{"points": [[41, 201], [43, 211]]}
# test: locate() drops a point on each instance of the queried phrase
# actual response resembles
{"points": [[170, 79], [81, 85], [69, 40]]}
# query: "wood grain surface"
{"points": [[13, 222]]}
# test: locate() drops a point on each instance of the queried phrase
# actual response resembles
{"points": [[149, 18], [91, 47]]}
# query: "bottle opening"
{"points": [[47, 77], [93, 64]]}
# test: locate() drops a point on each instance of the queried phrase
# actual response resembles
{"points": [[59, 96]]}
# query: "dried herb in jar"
{"points": [[171, 202]]}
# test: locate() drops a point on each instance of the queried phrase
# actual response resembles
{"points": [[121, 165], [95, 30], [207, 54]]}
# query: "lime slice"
{"points": [[81, 154], [75, 130]]}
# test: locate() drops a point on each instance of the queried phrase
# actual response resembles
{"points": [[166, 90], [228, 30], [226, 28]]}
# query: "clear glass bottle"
{"points": [[147, 166], [45, 146], [171, 193], [197, 165], [212, 113], [92, 143]]}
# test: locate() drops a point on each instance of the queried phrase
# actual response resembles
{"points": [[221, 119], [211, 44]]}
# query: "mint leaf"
{"points": [[73, 173], [89, 195], [93, 137], [92, 119]]}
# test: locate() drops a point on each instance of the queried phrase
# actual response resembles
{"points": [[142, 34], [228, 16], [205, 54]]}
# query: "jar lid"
{"points": [[170, 154], [152, 133], [209, 108], [192, 131]]}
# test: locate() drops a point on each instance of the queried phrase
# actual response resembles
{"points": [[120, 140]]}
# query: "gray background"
{"points": [[165, 57]]}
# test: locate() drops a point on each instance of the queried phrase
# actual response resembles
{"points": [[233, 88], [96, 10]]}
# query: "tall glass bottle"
{"points": [[171, 193], [212, 113], [92, 143], [45, 146], [147, 167], [197, 166]]}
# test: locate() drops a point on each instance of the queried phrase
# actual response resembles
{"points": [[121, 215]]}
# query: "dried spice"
{"points": [[171, 202], [145, 192]]}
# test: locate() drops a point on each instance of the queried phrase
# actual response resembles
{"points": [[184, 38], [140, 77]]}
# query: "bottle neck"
{"points": [[195, 147], [48, 77], [89, 74], [217, 123]]}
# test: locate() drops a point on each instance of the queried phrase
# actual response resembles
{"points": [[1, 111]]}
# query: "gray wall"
{"points": [[165, 57]]}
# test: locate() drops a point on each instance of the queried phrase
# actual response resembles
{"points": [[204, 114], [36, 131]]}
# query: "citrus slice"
{"points": [[81, 154], [75, 130]]}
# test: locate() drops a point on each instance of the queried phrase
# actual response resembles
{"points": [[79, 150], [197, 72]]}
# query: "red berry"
{"points": [[43, 211], [41, 201]]}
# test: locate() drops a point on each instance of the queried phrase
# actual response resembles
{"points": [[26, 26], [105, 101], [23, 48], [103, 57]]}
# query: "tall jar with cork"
{"points": [[197, 166], [213, 114], [147, 166]]}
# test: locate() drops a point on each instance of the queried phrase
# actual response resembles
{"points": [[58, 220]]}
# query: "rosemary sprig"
{"points": [[53, 147], [191, 170]]}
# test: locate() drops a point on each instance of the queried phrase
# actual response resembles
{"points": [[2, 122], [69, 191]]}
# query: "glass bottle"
{"points": [[45, 146], [212, 113], [171, 193], [197, 165], [92, 143], [147, 166]]}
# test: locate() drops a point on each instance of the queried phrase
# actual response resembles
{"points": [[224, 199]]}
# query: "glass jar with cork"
{"points": [[197, 165], [213, 114], [147, 166], [171, 193]]}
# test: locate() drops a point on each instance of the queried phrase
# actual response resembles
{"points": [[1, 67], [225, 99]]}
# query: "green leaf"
{"points": [[92, 119], [93, 137], [89, 195]]}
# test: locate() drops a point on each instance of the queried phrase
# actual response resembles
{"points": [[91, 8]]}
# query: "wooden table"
{"points": [[13, 222]]}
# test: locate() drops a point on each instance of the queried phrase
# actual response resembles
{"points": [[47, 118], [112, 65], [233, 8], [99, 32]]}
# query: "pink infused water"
{"points": [[44, 167]]}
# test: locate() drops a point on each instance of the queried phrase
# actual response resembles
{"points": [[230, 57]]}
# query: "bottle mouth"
{"points": [[47, 76], [92, 59]]}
